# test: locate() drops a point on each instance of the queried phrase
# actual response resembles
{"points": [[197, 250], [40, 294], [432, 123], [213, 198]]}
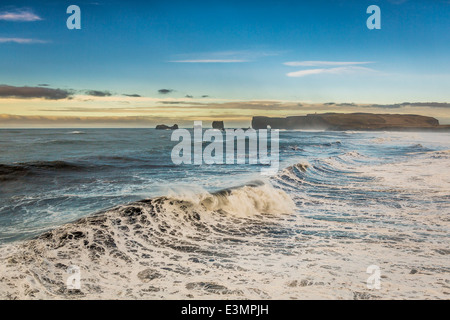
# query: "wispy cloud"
{"points": [[413, 104], [323, 63], [210, 61], [337, 71], [8, 120], [241, 107], [230, 56], [19, 15], [21, 40], [70, 121]]}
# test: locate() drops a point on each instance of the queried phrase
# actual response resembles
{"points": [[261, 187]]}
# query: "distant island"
{"points": [[165, 127], [218, 125], [352, 121]]}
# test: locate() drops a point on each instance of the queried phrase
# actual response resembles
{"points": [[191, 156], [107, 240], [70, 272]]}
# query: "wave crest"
{"points": [[119, 241]]}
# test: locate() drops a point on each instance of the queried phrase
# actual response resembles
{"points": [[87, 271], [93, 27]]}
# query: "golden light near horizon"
{"points": [[87, 110]]}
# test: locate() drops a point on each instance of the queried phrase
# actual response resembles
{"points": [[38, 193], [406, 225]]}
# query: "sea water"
{"points": [[112, 203]]}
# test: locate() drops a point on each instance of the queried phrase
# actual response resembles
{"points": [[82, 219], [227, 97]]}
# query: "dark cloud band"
{"points": [[165, 91], [97, 93], [132, 95], [33, 92]]}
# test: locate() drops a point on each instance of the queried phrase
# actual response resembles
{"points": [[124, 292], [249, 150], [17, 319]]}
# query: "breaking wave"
{"points": [[126, 237]]}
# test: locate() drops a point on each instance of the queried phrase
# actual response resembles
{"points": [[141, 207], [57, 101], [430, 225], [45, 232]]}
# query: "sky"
{"points": [[136, 63]]}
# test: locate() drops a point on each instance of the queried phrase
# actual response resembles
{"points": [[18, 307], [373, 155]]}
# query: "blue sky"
{"points": [[305, 51]]}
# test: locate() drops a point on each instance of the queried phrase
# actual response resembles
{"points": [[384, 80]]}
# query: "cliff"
{"points": [[350, 121]]}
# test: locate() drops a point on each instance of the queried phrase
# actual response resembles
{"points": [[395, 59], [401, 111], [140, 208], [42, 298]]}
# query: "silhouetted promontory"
{"points": [[352, 121], [164, 127]]}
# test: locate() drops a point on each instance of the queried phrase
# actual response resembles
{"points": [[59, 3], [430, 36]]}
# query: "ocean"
{"points": [[112, 203]]}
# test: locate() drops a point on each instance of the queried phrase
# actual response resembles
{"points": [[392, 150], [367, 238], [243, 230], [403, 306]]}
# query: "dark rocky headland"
{"points": [[352, 121], [165, 127]]}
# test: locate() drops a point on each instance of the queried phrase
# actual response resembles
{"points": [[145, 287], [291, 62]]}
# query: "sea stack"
{"points": [[164, 127], [218, 125]]}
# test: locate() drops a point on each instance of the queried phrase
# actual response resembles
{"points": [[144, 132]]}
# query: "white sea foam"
{"points": [[124, 240], [424, 172], [353, 209]]}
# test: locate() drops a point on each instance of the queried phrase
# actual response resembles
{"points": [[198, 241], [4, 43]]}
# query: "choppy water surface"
{"points": [[139, 227]]}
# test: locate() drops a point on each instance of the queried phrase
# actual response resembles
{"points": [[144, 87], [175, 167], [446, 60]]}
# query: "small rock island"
{"points": [[218, 125], [164, 127], [352, 121]]}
